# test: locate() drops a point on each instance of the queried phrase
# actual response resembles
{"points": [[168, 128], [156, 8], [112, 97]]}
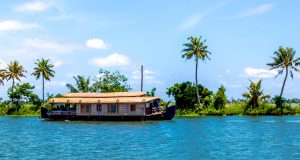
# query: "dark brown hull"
{"points": [[167, 115]]}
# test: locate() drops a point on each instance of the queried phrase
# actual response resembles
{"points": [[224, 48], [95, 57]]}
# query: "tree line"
{"points": [[192, 95], [187, 95]]}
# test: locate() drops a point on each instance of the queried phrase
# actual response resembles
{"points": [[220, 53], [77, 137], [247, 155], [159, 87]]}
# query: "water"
{"points": [[182, 138]]}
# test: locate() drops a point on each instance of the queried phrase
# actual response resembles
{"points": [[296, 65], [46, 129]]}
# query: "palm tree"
{"points": [[285, 60], [2, 76], [14, 71], [255, 94], [197, 49], [44, 69], [82, 85]]}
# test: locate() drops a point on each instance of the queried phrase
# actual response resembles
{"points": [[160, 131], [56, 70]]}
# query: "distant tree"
{"points": [[49, 96], [220, 98], [255, 94], [185, 94], [23, 93], [285, 60], [196, 49], [82, 85], [152, 92], [14, 71], [45, 69], [110, 82]]}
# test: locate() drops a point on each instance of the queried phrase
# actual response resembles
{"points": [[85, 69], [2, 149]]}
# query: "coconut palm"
{"points": [[82, 85], [43, 68], [255, 94], [14, 71], [285, 60], [196, 49], [2, 76]]}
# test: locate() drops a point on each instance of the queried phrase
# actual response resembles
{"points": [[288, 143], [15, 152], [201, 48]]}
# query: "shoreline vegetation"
{"points": [[191, 99]]}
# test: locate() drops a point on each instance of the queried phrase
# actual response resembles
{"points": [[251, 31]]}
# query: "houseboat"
{"points": [[117, 106]]}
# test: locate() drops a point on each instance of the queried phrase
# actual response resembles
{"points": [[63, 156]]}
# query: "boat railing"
{"points": [[72, 112]]}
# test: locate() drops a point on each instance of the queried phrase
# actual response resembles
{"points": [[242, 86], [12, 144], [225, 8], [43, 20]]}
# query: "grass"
{"points": [[240, 109], [23, 110]]}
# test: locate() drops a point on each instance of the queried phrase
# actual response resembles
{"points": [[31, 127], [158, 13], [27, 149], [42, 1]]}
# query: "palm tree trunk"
{"points": [[283, 85], [197, 82], [43, 89], [13, 84]]}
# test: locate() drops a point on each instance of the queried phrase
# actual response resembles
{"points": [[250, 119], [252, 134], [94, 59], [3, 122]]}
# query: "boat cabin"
{"points": [[105, 104]]}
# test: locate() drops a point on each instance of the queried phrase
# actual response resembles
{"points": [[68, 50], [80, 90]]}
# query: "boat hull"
{"points": [[167, 115]]}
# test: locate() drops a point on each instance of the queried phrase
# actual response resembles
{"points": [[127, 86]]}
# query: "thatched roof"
{"points": [[103, 100], [105, 95]]}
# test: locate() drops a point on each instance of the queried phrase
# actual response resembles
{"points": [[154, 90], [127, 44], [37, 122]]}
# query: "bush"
{"points": [[235, 108], [220, 99]]}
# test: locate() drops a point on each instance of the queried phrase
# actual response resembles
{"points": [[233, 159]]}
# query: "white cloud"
{"points": [[11, 25], [112, 60], [259, 73], [194, 20], [148, 74], [227, 71], [149, 77], [58, 63], [97, 43], [3, 64], [55, 83], [255, 11], [49, 45], [71, 74], [33, 6], [190, 22]]}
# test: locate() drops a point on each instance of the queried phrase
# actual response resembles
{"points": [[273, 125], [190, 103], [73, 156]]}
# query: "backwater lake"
{"points": [[232, 137]]}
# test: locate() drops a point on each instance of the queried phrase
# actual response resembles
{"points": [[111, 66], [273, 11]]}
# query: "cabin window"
{"points": [[112, 108], [86, 108], [156, 103], [99, 107], [133, 108]]}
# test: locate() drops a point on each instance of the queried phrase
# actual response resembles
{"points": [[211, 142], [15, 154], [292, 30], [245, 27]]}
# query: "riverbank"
{"points": [[233, 109], [240, 109]]}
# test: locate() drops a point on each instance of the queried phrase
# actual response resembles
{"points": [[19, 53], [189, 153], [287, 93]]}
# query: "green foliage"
{"points": [[285, 60], [255, 94], [2, 76], [45, 69], [111, 82], [185, 95], [23, 94], [293, 100], [14, 72], [49, 96], [197, 49], [82, 85], [280, 102], [152, 92], [220, 98], [240, 108], [24, 110]]}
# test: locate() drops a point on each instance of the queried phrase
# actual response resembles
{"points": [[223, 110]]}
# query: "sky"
{"points": [[80, 37]]}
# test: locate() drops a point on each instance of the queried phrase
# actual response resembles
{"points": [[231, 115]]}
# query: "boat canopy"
{"points": [[102, 98], [105, 95]]}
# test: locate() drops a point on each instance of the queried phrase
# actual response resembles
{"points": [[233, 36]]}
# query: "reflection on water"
{"points": [[233, 137]]}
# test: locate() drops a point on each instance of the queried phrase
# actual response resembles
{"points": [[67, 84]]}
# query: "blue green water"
{"points": [[181, 138]]}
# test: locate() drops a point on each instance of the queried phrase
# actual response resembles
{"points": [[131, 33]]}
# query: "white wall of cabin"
{"points": [[123, 110]]}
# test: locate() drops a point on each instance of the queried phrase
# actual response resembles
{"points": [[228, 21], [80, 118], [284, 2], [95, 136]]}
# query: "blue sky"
{"points": [[80, 37]]}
